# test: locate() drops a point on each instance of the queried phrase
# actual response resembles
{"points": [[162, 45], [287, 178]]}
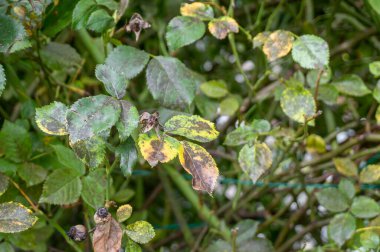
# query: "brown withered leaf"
{"points": [[148, 121], [278, 44], [136, 24], [220, 27], [107, 235], [200, 164]]}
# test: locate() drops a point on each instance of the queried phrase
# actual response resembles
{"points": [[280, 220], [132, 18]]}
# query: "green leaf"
{"points": [[91, 151], [110, 4], [5, 246], [351, 84], [311, 52], [140, 231], [2, 79], [221, 27], [192, 127], [298, 103], [92, 116], [51, 119], [214, 88], [15, 217], [182, 31], [278, 44], [341, 228], [129, 120], [346, 167], [375, 5], [219, 246], [197, 9], [376, 92], [246, 231], [94, 188], [208, 108], [173, 89], [347, 188], [256, 245], [328, 94], [127, 61], [8, 31], [155, 149], [365, 207], [374, 68], [68, 159], [332, 199], [132, 246], [53, 25], [32, 174], [82, 12], [242, 135], [312, 77], [127, 153], [115, 83], [63, 186], [370, 174], [200, 164], [369, 240], [8, 168], [229, 106], [15, 142], [255, 160], [3, 184], [100, 21], [58, 56], [124, 212]]}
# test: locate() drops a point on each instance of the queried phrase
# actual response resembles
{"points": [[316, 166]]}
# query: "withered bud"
{"points": [[148, 121], [102, 216], [136, 24], [77, 233], [102, 212]]}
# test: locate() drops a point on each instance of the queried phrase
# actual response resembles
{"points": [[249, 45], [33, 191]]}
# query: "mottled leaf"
{"points": [[115, 83], [220, 27], [260, 39], [32, 174], [351, 84], [15, 217], [8, 31], [182, 31], [91, 116], [197, 9], [241, 135], [100, 21], [346, 167], [129, 120], [140, 231], [332, 199], [229, 106], [127, 61], [374, 68], [91, 151], [94, 188], [61, 187], [170, 82], [255, 160], [59, 56], [341, 228], [82, 12], [298, 103], [156, 150], [311, 52], [3, 184], [2, 79], [278, 44], [51, 119], [365, 207], [124, 212], [370, 174], [214, 88], [192, 127], [68, 159], [107, 235], [200, 164], [127, 153]]}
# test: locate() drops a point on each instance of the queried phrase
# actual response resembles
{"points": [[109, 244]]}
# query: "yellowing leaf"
{"points": [[197, 9], [370, 174], [15, 217], [192, 127], [260, 39], [346, 167], [278, 44], [220, 27], [124, 212], [140, 231], [200, 164], [255, 160], [51, 119], [315, 143], [156, 150]]}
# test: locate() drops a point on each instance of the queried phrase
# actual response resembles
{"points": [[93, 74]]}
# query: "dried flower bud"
{"points": [[102, 212], [136, 24], [148, 121], [102, 216], [77, 233]]}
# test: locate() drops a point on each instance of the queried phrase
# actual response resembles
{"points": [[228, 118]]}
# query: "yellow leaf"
{"points": [[346, 167], [156, 150], [278, 44], [124, 212], [200, 164], [260, 39], [197, 9], [220, 27], [370, 174], [315, 143]]}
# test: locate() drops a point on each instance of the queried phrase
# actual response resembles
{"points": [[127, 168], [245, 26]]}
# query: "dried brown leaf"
{"points": [[107, 235]]}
